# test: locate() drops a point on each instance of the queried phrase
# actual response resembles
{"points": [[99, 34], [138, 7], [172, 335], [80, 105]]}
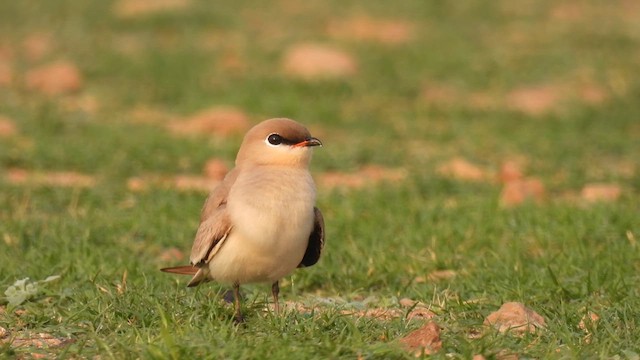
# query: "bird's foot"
{"points": [[238, 319]]}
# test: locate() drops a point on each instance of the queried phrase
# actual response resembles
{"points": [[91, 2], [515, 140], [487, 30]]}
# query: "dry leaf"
{"points": [[176, 182], [139, 8], [222, 121], [425, 340], [375, 313], [441, 275], [364, 28], [510, 171], [62, 77], [137, 184], [215, 169], [315, 61], [6, 73], [593, 94], [534, 100], [519, 191], [461, 169], [7, 127], [367, 175], [515, 317], [53, 178], [420, 309], [37, 46], [600, 192], [85, 103], [39, 340], [171, 254]]}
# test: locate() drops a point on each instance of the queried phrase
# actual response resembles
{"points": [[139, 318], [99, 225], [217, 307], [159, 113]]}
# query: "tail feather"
{"points": [[200, 275], [181, 270]]}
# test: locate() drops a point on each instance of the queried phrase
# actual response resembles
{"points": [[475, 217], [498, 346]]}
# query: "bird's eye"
{"points": [[274, 139]]}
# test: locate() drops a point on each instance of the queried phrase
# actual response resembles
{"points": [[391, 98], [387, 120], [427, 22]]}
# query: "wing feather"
{"points": [[215, 224], [316, 241]]}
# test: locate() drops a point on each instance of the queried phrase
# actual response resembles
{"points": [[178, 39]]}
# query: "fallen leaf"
{"points": [[3, 332], [366, 176], [364, 28], [534, 100], [517, 192], [593, 94], [375, 313], [6, 73], [137, 184], [37, 46], [515, 317], [52, 178], [510, 170], [423, 341], [176, 182], [441, 275], [215, 169], [139, 8], [419, 309], [221, 121], [461, 169], [7, 127], [87, 104], [406, 302], [316, 61], [62, 77], [171, 254], [601, 192], [39, 340]]}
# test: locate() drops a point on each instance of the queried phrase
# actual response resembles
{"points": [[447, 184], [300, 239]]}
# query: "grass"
{"points": [[563, 258]]}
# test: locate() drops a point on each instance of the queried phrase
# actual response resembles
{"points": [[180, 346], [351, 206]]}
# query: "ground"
{"points": [[476, 154]]}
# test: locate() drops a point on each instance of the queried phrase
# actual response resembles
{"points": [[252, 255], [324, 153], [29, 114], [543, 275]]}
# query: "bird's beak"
{"points": [[309, 142]]}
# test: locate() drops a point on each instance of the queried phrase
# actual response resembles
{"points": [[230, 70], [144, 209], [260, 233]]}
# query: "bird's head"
{"points": [[277, 142]]}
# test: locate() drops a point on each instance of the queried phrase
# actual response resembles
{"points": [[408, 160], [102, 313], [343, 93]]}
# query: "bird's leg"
{"points": [[238, 318], [275, 290]]}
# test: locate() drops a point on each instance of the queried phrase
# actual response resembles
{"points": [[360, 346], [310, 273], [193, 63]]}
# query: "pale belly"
{"points": [[240, 262], [269, 237]]}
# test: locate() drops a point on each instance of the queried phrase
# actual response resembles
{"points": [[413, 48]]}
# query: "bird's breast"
{"points": [[273, 208]]}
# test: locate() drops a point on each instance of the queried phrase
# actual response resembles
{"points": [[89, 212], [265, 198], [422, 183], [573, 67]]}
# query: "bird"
{"points": [[260, 223]]}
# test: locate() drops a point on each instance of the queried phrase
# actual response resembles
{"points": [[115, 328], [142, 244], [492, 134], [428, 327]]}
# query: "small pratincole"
{"points": [[261, 222]]}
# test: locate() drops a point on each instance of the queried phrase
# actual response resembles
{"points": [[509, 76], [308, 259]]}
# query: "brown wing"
{"points": [[210, 236], [316, 241], [215, 224]]}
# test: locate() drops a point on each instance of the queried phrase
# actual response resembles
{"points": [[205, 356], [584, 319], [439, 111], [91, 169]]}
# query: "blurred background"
{"points": [[122, 88], [475, 152]]}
